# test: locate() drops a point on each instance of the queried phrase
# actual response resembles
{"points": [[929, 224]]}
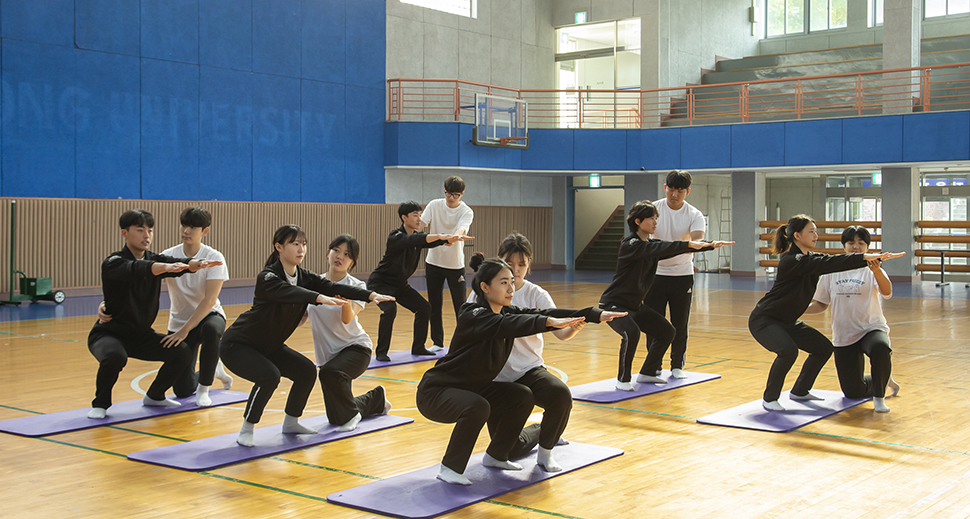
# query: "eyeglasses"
{"points": [[456, 196]]}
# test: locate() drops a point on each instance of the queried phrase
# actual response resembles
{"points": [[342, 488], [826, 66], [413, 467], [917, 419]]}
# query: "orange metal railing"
{"points": [[936, 88]]}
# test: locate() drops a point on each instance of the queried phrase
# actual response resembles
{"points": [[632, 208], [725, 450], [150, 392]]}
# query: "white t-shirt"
{"points": [[677, 226], [526, 351], [330, 334], [442, 219], [188, 290], [856, 304]]}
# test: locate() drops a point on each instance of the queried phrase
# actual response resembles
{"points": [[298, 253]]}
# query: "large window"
{"points": [[598, 56], [792, 17], [876, 10], [937, 8]]}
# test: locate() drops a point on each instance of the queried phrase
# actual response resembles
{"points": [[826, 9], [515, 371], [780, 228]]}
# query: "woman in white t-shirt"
{"points": [[859, 328], [525, 364], [342, 347]]}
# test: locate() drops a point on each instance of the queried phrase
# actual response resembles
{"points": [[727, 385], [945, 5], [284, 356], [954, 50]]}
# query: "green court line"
{"points": [[634, 410], [264, 487], [877, 442], [148, 434], [330, 469], [299, 494], [19, 409], [388, 379], [92, 449], [710, 363]]}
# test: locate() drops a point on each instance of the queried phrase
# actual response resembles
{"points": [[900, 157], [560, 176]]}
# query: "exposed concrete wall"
{"points": [[510, 44], [678, 37], [481, 187], [593, 207], [747, 209]]}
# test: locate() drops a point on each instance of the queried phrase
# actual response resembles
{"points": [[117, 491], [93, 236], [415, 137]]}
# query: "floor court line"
{"points": [[290, 492]]}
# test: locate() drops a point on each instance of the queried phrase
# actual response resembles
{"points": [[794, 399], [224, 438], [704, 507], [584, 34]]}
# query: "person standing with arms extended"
{"points": [[448, 215], [674, 284]]}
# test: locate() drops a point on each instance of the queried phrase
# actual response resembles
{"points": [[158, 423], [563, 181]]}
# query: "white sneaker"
{"points": [[435, 349]]}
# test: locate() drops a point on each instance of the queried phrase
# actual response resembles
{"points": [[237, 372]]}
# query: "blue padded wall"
{"points": [[868, 140], [38, 119], [108, 26], [193, 99], [276, 138], [108, 130]]}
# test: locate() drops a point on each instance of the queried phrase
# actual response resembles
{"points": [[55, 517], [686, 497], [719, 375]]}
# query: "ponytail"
{"points": [[283, 235], [477, 259], [781, 243], [785, 235]]}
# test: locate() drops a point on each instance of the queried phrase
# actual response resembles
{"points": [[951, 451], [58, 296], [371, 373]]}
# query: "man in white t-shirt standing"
{"points": [[674, 284], [448, 215]]}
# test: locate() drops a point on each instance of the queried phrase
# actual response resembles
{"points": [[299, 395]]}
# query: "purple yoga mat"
{"points": [[419, 494], [220, 451], [795, 415], [404, 357], [77, 419], [605, 392]]}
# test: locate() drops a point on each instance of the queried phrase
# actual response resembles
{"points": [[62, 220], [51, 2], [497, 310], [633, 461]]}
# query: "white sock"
{"points": [[678, 373], [545, 460], [647, 379], [435, 348], [450, 476], [292, 425], [489, 461], [772, 406], [893, 386], [245, 437], [624, 386], [387, 403], [223, 376], [562, 441], [804, 398], [879, 403], [97, 413], [202, 398], [159, 403], [350, 425]]}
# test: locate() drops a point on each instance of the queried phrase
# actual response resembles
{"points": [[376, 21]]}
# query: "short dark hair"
{"points": [[454, 184], [407, 208], [856, 231], [678, 179], [137, 217], [640, 211], [353, 248], [515, 243], [195, 217]]}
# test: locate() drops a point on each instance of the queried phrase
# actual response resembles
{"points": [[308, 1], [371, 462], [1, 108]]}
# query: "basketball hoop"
{"points": [[504, 141]]}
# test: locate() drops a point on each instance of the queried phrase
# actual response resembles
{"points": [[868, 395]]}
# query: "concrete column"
{"points": [[900, 212], [747, 209], [654, 49], [902, 30], [639, 187], [857, 16], [562, 224]]}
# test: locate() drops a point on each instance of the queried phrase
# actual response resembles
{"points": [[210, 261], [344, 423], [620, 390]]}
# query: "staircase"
{"points": [[860, 58], [600, 253]]}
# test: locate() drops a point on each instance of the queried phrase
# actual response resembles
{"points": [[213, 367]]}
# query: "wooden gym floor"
{"points": [[911, 462]]}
